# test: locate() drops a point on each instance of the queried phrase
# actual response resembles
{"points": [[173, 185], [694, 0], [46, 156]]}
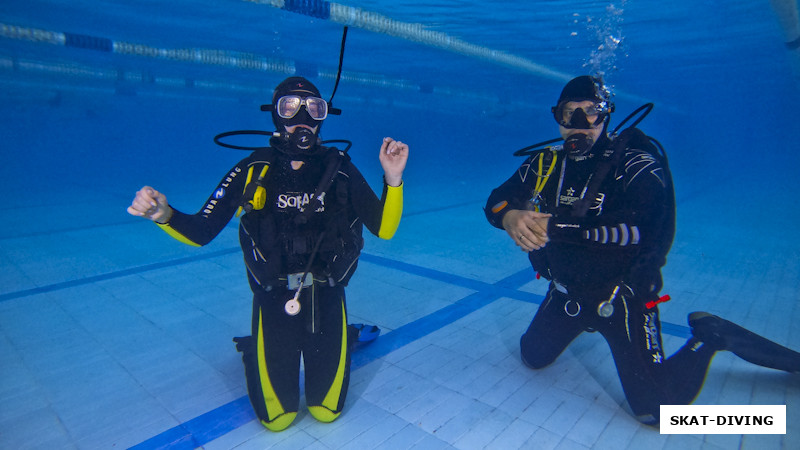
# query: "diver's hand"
{"points": [[393, 157], [150, 204], [528, 229]]}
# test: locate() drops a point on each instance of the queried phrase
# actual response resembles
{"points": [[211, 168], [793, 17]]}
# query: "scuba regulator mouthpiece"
{"points": [[301, 144], [303, 138], [578, 144]]}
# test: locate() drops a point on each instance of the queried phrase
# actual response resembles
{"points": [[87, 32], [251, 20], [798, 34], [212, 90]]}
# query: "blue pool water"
{"points": [[114, 335]]}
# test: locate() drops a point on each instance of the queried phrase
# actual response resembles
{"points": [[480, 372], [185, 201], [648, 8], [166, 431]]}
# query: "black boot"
{"points": [[722, 334]]}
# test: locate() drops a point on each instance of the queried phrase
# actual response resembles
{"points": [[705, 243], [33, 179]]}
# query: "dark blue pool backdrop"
{"points": [[80, 117]]}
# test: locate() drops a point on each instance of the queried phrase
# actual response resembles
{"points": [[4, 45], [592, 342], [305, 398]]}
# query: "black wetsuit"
{"points": [[276, 244], [615, 251]]}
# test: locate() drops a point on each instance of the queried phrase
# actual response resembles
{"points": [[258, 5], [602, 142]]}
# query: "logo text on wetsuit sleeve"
{"points": [[220, 191]]}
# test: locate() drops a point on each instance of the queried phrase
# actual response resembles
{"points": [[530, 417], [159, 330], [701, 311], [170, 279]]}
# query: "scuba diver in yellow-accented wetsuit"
{"points": [[305, 206]]}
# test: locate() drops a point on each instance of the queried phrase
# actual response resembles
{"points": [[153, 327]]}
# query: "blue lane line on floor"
{"points": [[502, 288], [204, 428], [113, 275], [506, 287], [424, 326], [76, 228]]}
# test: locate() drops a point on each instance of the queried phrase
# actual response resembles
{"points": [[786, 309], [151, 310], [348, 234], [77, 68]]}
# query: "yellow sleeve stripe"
{"points": [[392, 211], [181, 238]]}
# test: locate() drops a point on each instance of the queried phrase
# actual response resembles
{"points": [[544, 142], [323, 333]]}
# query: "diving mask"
{"points": [[289, 105], [571, 115]]}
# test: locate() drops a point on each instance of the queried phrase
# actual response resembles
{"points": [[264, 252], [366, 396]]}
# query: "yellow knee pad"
{"points": [[323, 414], [281, 422]]}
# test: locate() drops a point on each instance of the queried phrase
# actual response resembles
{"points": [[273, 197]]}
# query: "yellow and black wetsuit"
{"points": [[276, 244]]}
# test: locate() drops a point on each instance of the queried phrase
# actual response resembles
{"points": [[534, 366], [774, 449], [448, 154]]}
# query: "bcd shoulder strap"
{"points": [[333, 162], [629, 137]]}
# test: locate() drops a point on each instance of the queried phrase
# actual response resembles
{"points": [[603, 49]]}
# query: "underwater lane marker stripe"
{"points": [[314, 8], [206, 56], [676, 330], [342, 14], [215, 57], [345, 15], [113, 275], [413, 32], [420, 328], [50, 232], [438, 275], [374, 259], [499, 289], [502, 288], [204, 428], [88, 42]]}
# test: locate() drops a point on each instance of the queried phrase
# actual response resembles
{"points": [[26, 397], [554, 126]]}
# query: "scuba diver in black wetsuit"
{"points": [[596, 216], [304, 208]]}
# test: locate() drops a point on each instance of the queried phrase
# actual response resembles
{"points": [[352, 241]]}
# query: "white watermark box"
{"points": [[723, 419]]}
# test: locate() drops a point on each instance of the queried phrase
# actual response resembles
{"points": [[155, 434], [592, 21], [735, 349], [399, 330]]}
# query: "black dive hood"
{"points": [[302, 143]]}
